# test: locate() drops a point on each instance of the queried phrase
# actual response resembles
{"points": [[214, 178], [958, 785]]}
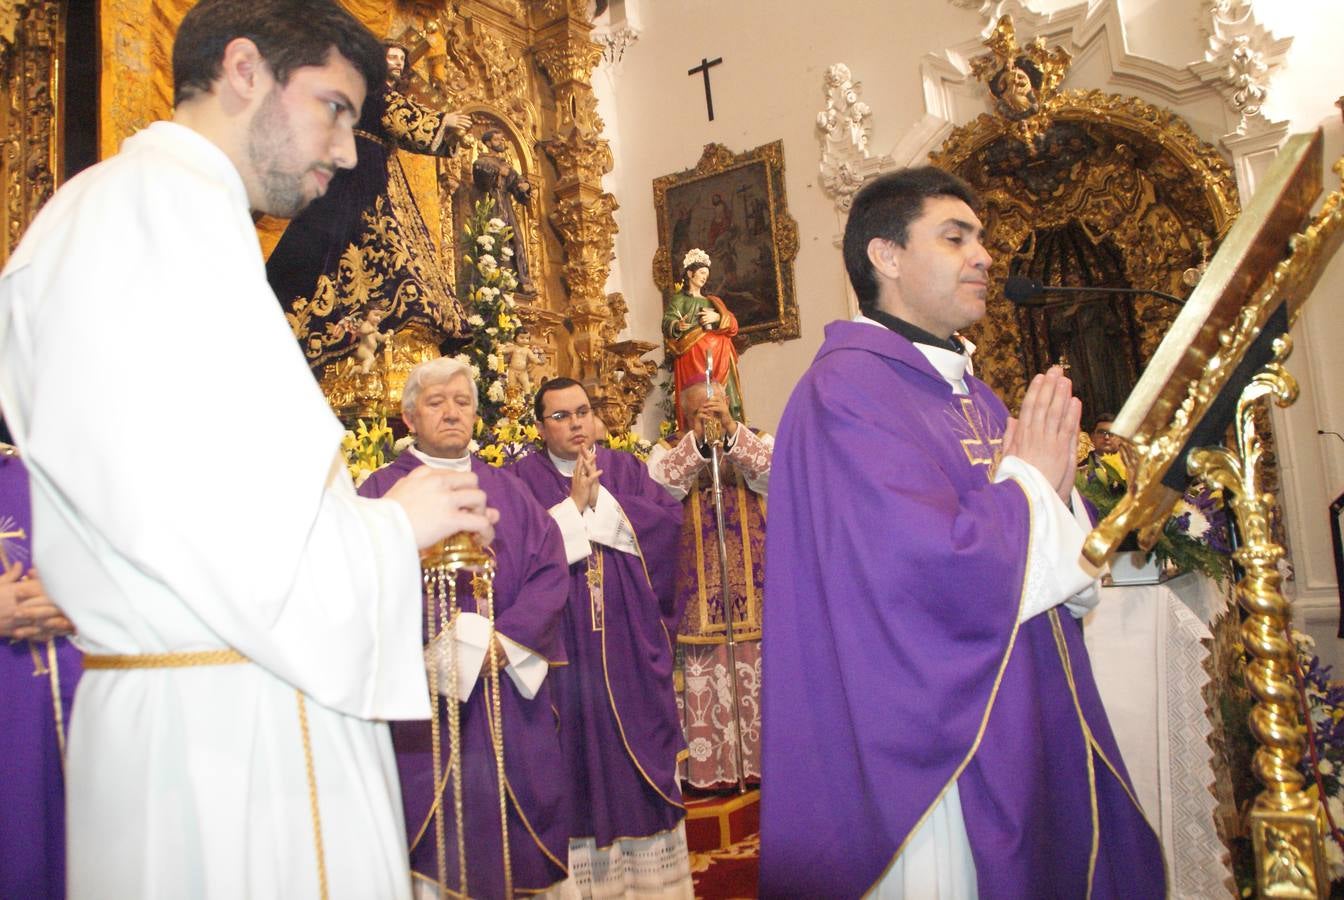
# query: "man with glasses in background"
{"points": [[619, 725]]}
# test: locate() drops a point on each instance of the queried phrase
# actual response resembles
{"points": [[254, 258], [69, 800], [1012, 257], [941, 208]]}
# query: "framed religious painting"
{"points": [[732, 206]]}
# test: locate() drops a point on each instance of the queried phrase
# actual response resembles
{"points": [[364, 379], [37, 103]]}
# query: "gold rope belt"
{"points": [[230, 657], [226, 657]]}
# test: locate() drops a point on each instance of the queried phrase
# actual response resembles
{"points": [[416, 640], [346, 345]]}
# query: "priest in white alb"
{"points": [[248, 620]]}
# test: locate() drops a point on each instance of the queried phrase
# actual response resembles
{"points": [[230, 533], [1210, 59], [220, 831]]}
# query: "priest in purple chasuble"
{"points": [[619, 715], [37, 684], [531, 587], [705, 689], [931, 723]]}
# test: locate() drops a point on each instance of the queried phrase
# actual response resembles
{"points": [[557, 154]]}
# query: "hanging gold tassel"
{"points": [[440, 566]]}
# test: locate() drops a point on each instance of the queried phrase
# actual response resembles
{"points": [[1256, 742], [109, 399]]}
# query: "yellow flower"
{"points": [[1115, 462], [493, 454], [505, 321]]}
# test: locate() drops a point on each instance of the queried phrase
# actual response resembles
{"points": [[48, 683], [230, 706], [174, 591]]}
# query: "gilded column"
{"points": [[583, 215]]}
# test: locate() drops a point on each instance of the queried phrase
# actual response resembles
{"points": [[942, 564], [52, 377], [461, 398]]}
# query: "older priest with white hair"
{"points": [[531, 587], [250, 623]]}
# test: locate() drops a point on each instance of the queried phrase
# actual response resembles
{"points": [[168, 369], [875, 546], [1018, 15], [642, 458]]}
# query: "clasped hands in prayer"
{"points": [[1045, 431], [25, 612], [583, 489]]}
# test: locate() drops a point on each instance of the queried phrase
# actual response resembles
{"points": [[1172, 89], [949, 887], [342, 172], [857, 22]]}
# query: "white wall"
{"points": [[769, 87], [1313, 466]]}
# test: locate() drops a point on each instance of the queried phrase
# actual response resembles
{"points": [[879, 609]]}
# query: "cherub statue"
{"points": [[369, 338], [521, 355]]}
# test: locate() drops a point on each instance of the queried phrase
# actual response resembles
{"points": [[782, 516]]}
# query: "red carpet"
{"points": [[729, 873], [722, 832]]}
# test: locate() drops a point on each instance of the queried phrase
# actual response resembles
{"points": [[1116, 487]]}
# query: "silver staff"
{"points": [[715, 437]]}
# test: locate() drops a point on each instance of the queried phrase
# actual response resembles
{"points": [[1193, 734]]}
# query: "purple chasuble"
{"points": [[32, 785], [618, 710], [894, 663], [531, 589]]}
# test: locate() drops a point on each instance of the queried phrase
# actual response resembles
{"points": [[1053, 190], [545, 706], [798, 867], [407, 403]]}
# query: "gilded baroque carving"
{"points": [[1024, 81], [1243, 305], [582, 159], [588, 228], [32, 157], [524, 65], [569, 60], [583, 217], [141, 54], [10, 11], [1287, 824], [550, 10], [1131, 178]]}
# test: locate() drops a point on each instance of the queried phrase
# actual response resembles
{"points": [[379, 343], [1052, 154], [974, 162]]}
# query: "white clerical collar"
{"points": [[564, 466], [461, 464], [952, 366]]}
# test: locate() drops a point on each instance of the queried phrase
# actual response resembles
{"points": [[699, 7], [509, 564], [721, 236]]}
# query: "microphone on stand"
{"points": [[1029, 292]]}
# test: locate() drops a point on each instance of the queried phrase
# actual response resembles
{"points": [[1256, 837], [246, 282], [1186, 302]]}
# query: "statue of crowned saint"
{"points": [[697, 326]]}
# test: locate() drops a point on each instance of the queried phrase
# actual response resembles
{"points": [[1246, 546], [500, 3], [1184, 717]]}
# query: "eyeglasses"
{"points": [[562, 416]]}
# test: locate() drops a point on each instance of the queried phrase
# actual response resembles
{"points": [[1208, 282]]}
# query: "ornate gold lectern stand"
{"points": [[1221, 358]]}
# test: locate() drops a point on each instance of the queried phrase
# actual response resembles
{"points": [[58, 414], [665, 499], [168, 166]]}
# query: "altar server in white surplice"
{"points": [[249, 620]]}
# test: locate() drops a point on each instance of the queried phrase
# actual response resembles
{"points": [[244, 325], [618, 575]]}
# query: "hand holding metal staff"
{"points": [[711, 427]]}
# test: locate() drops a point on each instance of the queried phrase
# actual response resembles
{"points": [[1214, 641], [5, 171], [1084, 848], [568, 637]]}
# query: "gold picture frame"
{"points": [[750, 236]]}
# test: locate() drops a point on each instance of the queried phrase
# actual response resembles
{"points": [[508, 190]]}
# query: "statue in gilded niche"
{"points": [[364, 245], [495, 177]]}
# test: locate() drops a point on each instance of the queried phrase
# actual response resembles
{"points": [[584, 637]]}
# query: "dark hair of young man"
{"points": [[884, 208], [289, 35], [555, 384]]}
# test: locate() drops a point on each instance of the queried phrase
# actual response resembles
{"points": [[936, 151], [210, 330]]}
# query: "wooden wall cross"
{"points": [[703, 69]]}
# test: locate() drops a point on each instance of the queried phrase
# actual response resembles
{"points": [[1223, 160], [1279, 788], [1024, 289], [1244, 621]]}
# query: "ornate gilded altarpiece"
{"points": [[1081, 187], [521, 66], [32, 46]]}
